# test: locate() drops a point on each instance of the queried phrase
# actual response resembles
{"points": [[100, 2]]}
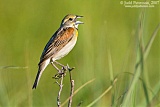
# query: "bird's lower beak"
{"points": [[79, 22]]}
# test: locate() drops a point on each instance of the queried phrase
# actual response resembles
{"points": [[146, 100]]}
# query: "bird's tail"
{"points": [[41, 68]]}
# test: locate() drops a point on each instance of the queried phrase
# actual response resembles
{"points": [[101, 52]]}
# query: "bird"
{"points": [[59, 45]]}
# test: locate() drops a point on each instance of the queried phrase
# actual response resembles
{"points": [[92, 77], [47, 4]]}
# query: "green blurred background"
{"points": [[26, 26]]}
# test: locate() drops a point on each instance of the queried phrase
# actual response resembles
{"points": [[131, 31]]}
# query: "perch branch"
{"points": [[72, 86], [61, 75], [60, 90]]}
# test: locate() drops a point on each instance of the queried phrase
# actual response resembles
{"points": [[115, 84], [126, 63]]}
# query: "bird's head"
{"points": [[71, 21]]}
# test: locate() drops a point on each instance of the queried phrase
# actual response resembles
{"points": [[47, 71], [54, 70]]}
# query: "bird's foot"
{"points": [[58, 75], [63, 71]]}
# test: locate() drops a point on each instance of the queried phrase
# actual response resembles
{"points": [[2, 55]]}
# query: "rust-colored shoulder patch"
{"points": [[64, 37], [67, 34]]}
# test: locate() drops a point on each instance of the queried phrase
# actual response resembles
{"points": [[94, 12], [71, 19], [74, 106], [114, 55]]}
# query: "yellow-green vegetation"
{"points": [[116, 58]]}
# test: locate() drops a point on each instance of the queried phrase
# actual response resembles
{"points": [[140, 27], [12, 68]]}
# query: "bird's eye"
{"points": [[70, 19]]}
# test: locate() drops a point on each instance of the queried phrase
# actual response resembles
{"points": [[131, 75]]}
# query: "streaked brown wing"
{"points": [[57, 42]]}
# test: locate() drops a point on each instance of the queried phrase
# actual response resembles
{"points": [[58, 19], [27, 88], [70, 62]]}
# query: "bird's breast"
{"points": [[68, 47]]}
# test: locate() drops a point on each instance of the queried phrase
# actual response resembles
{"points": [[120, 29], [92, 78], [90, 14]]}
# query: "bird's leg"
{"points": [[63, 66], [60, 72]]}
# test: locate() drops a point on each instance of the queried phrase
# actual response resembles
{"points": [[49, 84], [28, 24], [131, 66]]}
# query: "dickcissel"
{"points": [[59, 45]]}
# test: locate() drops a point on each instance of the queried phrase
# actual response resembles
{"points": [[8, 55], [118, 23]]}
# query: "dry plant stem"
{"points": [[72, 88], [64, 68], [55, 66], [60, 90]]}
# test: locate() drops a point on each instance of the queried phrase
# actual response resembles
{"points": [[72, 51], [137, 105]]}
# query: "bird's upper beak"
{"points": [[79, 22], [77, 16]]}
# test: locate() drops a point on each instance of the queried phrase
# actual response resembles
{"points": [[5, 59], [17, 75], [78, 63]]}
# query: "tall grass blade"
{"points": [[155, 96], [148, 47], [111, 74], [138, 69], [105, 92], [110, 66], [12, 67]]}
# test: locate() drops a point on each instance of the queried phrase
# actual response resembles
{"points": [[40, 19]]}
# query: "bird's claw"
{"points": [[63, 71]]}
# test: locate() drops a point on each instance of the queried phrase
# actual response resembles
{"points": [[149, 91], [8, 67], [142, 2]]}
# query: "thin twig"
{"points": [[61, 75], [71, 93], [60, 90], [72, 87]]}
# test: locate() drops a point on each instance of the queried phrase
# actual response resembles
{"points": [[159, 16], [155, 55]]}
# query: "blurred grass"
{"points": [[26, 26]]}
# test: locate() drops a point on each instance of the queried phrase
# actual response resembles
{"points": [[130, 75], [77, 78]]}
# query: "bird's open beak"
{"points": [[79, 22]]}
